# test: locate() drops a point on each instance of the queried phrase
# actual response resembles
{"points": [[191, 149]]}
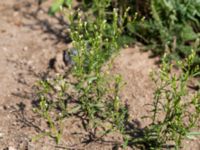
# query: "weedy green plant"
{"points": [[96, 98], [176, 109], [52, 106], [171, 26], [95, 43], [99, 104]]}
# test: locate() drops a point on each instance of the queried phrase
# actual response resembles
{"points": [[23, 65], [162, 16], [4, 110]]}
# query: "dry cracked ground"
{"points": [[29, 39]]}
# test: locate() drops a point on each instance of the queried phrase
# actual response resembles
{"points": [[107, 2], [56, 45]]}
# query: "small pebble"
{"points": [[25, 48], [1, 135], [5, 49]]}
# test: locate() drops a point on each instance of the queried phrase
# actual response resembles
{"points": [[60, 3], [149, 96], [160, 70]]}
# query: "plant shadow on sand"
{"points": [[57, 28]]}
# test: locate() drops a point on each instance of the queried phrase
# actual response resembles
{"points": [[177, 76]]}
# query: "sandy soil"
{"points": [[27, 43]]}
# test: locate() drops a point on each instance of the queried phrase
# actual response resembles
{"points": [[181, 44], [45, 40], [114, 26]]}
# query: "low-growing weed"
{"points": [[95, 97], [52, 105], [171, 26], [176, 109], [95, 42]]}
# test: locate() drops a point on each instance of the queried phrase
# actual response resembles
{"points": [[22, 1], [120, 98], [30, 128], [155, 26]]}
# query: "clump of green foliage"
{"points": [[95, 42], [95, 97], [58, 5], [170, 26], [176, 109], [91, 98], [52, 105]]}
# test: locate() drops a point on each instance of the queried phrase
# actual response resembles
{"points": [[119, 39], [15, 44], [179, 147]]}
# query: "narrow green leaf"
{"points": [[56, 6]]}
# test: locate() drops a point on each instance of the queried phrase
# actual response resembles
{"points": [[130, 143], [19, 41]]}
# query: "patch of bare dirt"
{"points": [[26, 46], [135, 67]]}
